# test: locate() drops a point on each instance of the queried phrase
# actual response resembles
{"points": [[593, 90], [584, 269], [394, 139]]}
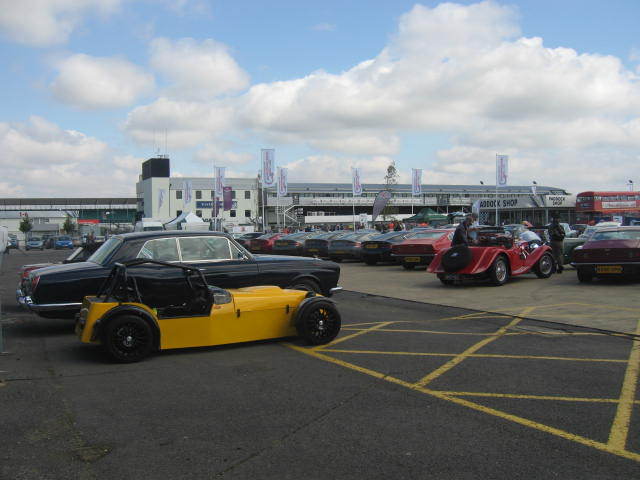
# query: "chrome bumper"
{"points": [[25, 301], [334, 290]]}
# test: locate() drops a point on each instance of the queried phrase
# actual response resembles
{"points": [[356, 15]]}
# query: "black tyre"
{"points": [[499, 271], [318, 321], [545, 266], [127, 338], [370, 261], [307, 285], [584, 275], [443, 278], [335, 259], [408, 266], [456, 258]]}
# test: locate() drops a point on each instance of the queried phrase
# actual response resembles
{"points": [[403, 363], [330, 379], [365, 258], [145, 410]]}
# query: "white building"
{"points": [[42, 222]]}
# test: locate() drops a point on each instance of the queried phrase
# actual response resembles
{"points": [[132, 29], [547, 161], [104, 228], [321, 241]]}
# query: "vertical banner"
{"points": [[379, 203], [161, 194], [219, 174], [416, 181], [534, 189], [268, 167], [227, 199], [187, 192], [282, 182], [502, 170], [356, 185], [475, 208]]}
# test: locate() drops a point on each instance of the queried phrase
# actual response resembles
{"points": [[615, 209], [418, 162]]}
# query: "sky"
{"points": [[91, 88]]}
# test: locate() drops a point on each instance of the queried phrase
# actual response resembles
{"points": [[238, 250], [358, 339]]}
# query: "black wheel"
{"points": [[318, 321], [456, 258], [544, 267], [307, 285], [443, 278], [127, 339], [370, 261], [408, 266], [584, 275], [335, 259], [499, 271]]}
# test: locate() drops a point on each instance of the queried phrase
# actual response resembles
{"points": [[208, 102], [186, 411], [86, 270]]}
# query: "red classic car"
{"points": [[264, 244], [495, 257], [421, 247], [609, 252]]}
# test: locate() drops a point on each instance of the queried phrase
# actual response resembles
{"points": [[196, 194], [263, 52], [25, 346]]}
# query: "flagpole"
{"points": [[496, 189], [353, 197]]}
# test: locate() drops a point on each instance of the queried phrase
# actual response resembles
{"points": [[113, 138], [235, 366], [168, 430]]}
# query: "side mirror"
{"points": [[219, 296]]}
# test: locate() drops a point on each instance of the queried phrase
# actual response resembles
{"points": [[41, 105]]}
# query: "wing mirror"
{"points": [[220, 296]]}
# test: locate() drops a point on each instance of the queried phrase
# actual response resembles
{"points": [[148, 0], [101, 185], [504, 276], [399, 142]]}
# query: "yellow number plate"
{"points": [[609, 269], [372, 246], [412, 259], [339, 251], [313, 249]]}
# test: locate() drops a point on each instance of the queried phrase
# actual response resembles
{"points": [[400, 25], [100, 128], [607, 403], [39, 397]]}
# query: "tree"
{"points": [[68, 226], [25, 225]]}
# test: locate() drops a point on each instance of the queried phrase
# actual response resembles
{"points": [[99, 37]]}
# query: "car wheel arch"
{"points": [[306, 278], [101, 324]]}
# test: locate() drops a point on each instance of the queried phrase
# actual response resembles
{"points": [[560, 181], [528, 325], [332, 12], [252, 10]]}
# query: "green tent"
{"points": [[427, 215]]}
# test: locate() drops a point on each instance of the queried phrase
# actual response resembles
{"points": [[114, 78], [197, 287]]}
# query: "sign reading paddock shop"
{"points": [[529, 201]]}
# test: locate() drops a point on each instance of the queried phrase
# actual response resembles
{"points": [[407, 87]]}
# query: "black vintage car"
{"points": [[57, 291]]}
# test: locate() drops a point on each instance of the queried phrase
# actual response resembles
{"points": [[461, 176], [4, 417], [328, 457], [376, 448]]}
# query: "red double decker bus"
{"points": [[594, 207]]}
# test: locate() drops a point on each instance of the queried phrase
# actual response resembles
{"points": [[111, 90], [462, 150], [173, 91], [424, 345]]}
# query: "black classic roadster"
{"points": [[57, 291]]}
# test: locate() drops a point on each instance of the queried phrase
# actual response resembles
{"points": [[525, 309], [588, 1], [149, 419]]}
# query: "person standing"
{"points": [[461, 235], [556, 235]]}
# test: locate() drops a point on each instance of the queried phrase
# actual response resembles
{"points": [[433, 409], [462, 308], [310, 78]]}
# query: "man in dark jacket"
{"points": [[461, 235], [556, 235]]}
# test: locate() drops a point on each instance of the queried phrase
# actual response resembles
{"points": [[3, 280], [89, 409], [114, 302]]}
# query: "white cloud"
{"points": [[41, 159], [197, 70], [43, 23], [215, 154], [98, 82], [329, 168], [324, 27]]}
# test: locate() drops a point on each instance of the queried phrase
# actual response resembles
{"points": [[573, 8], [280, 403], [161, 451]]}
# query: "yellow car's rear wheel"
{"points": [[318, 321], [128, 338]]}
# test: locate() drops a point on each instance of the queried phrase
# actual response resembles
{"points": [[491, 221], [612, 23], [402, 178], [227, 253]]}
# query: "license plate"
{"points": [[339, 251], [451, 276], [609, 269], [372, 246], [313, 250], [412, 259]]}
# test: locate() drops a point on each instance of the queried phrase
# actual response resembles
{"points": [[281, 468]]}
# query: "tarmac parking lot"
{"points": [[407, 390]]}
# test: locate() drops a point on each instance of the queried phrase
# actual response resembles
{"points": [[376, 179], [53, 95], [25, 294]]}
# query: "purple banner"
{"points": [[227, 200], [379, 203]]}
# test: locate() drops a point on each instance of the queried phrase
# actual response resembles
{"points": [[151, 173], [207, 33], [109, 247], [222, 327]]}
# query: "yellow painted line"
{"points": [[620, 427], [531, 397], [474, 316], [353, 335], [440, 332], [476, 355], [474, 406], [345, 326], [434, 332], [462, 356]]}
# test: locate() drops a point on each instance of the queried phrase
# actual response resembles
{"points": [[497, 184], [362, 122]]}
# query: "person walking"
{"points": [[556, 235]]}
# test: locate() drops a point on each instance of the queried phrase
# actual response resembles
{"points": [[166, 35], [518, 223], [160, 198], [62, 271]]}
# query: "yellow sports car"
{"points": [[130, 328]]}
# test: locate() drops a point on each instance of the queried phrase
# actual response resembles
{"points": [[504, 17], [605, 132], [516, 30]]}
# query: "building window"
{"points": [[232, 213], [199, 213], [178, 212], [233, 194], [178, 194], [198, 194], [247, 213], [247, 194]]}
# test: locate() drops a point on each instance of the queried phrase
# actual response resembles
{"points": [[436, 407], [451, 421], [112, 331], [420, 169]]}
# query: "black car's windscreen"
{"points": [[620, 235], [104, 253], [427, 235]]}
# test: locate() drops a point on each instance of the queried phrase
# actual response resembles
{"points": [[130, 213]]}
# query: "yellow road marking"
{"points": [[353, 335], [474, 348], [440, 332], [435, 332], [620, 427], [476, 355], [481, 408], [531, 397]]}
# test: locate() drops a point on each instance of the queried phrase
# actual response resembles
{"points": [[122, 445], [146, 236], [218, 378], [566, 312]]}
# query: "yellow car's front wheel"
{"points": [[128, 338], [318, 321]]}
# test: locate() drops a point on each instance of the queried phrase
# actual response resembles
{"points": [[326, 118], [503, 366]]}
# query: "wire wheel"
{"points": [[318, 322], [128, 339], [499, 271], [544, 267]]}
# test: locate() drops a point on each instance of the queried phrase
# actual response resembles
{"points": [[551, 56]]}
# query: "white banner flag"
{"points": [[416, 181], [534, 189], [161, 193], [219, 186], [502, 170], [268, 167], [356, 186], [187, 192], [282, 182]]}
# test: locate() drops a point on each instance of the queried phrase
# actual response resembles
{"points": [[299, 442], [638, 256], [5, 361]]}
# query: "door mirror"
{"points": [[220, 296]]}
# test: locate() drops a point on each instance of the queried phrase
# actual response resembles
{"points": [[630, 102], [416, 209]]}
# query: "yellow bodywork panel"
{"points": [[256, 313]]}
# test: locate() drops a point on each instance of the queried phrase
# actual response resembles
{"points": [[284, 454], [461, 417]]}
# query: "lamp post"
{"points": [[630, 184]]}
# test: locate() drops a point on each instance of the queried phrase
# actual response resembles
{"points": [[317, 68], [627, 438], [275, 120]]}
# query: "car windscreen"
{"points": [[64, 239], [427, 235], [619, 235], [388, 236], [34, 239], [105, 251], [267, 236]]}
